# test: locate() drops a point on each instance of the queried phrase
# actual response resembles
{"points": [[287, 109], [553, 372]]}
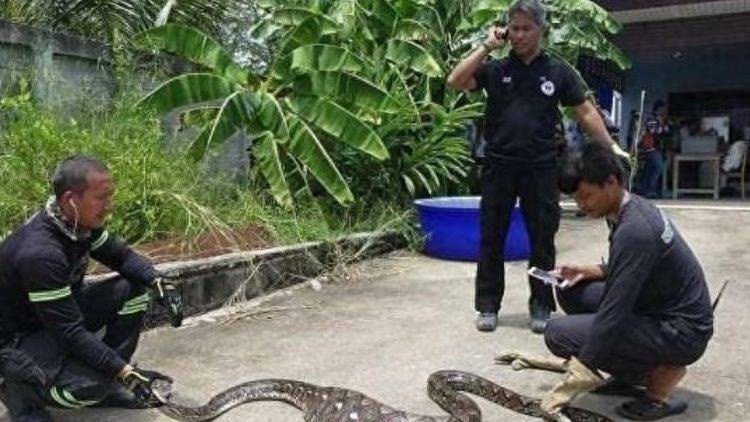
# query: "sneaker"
{"points": [[540, 315], [487, 321]]}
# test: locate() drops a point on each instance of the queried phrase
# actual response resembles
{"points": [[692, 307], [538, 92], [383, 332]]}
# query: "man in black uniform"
{"points": [[642, 317], [49, 352], [523, 94]]}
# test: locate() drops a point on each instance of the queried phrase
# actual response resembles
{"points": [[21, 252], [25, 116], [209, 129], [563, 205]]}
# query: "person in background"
{"points": [[657, 134]]}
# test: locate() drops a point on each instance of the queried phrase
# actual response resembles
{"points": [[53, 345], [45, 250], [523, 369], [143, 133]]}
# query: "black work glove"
{"points": [[139, 382], [170, 298]]}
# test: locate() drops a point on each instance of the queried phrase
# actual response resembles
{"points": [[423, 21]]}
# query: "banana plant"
{"points": [[313, 96], [354, 76], [399, 44]]}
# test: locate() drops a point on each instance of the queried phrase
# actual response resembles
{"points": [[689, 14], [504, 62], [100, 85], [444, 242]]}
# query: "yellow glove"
{"points": [[578, 379]]}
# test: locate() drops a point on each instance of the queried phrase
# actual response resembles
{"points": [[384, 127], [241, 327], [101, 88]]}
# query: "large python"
{"points": [[334, 404]]}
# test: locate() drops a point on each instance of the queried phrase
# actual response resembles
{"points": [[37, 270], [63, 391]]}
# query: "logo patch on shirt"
{"points": [[548, 88], [668, 233], [506, 79]]}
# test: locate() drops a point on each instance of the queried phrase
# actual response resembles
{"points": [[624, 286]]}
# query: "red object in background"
{"points": [[649, 141]]}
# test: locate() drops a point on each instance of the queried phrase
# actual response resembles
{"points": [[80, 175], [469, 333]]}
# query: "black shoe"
{"points": [[540, 314], [648, 409], [122, 398]]}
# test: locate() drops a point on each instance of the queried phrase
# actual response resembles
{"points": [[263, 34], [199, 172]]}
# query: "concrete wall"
{"points": [[64, 71], [68, 73], [211, 283]]}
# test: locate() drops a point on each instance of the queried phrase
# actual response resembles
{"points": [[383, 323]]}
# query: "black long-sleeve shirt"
{"points": [[41, 265], [651, 271]]}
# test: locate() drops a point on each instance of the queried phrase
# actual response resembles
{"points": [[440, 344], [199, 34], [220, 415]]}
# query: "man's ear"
{"points": [[67, 198]]}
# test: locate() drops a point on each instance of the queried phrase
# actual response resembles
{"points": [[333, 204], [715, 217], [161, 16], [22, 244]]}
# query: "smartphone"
{"points": [[547, 277], [503, 25]]}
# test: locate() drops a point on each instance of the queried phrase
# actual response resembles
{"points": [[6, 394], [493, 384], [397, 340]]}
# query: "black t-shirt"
{"points": [[522, 107], [652, 272]]}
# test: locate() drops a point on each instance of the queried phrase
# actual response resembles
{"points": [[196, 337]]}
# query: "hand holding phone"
{"points": [[548, 277], [496, 38]]}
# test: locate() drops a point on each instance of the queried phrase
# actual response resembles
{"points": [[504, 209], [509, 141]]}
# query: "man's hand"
{"points": [[495, 39], [139, 382], [168, 297], [578, 379], [573, 274]]}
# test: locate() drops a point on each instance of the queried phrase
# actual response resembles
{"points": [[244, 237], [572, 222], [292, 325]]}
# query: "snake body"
{"points": [[334, 404]]}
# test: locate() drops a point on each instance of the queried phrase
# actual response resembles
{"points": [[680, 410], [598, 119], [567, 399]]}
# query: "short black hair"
{"points": [[658, 104], [72, 173], [593, 164]]}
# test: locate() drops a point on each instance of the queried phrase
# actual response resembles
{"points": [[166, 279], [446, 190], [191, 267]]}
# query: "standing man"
{"points": [[643, 316], [656, 140], [523, 94], [49, 352]]}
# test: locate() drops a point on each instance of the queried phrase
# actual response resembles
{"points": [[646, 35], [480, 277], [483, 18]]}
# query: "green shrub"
{"points": [[159, 195]]}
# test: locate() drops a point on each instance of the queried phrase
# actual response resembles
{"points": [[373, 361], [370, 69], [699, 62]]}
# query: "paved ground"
{"points": [[406, 316]]}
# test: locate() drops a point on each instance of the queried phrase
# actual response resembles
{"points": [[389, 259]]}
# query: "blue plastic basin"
{"points": [[451, 228]]}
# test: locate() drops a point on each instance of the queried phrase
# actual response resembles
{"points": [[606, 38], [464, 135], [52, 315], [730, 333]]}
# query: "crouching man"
{"points": [[49, 352], [644, 316]]}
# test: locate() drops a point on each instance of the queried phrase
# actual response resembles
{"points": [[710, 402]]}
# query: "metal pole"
{"points": [[636, 138]]}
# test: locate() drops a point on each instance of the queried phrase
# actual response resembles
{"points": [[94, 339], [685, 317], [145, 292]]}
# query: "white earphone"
{"points": [[75, 210]]}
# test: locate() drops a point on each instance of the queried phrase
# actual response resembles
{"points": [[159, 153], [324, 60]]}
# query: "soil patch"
{"points": [[249, 237]]}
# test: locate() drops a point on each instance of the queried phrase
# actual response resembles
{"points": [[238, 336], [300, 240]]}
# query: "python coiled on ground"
{"points": [[334, 404]]}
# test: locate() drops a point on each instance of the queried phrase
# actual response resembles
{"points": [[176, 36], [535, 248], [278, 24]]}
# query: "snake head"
{"points": [[162, 389]]}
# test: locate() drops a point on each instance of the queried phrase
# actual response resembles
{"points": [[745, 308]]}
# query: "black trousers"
{"points": [[539, 200], [644, 343], [108, 305]]}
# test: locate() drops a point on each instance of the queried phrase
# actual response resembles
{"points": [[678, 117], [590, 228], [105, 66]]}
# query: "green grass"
{"points": [[159, 195]]}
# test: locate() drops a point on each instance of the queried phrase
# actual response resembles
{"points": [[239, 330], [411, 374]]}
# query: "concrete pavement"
{"points": [[405, 316]]}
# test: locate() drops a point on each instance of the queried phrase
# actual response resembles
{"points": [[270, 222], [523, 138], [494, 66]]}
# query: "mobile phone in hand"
{"points": [[548, 277], [504, 26]]}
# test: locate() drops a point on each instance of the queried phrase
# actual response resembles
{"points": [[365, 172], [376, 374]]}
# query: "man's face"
{"points": [[525, 34], [598, 201], [661, 112], [94, 203]]}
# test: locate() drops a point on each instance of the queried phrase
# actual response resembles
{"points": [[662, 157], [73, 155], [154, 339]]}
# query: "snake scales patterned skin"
{"points": [[334, 404]]}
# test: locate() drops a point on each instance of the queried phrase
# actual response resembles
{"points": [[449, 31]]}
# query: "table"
{"points": [[714, 159]]}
